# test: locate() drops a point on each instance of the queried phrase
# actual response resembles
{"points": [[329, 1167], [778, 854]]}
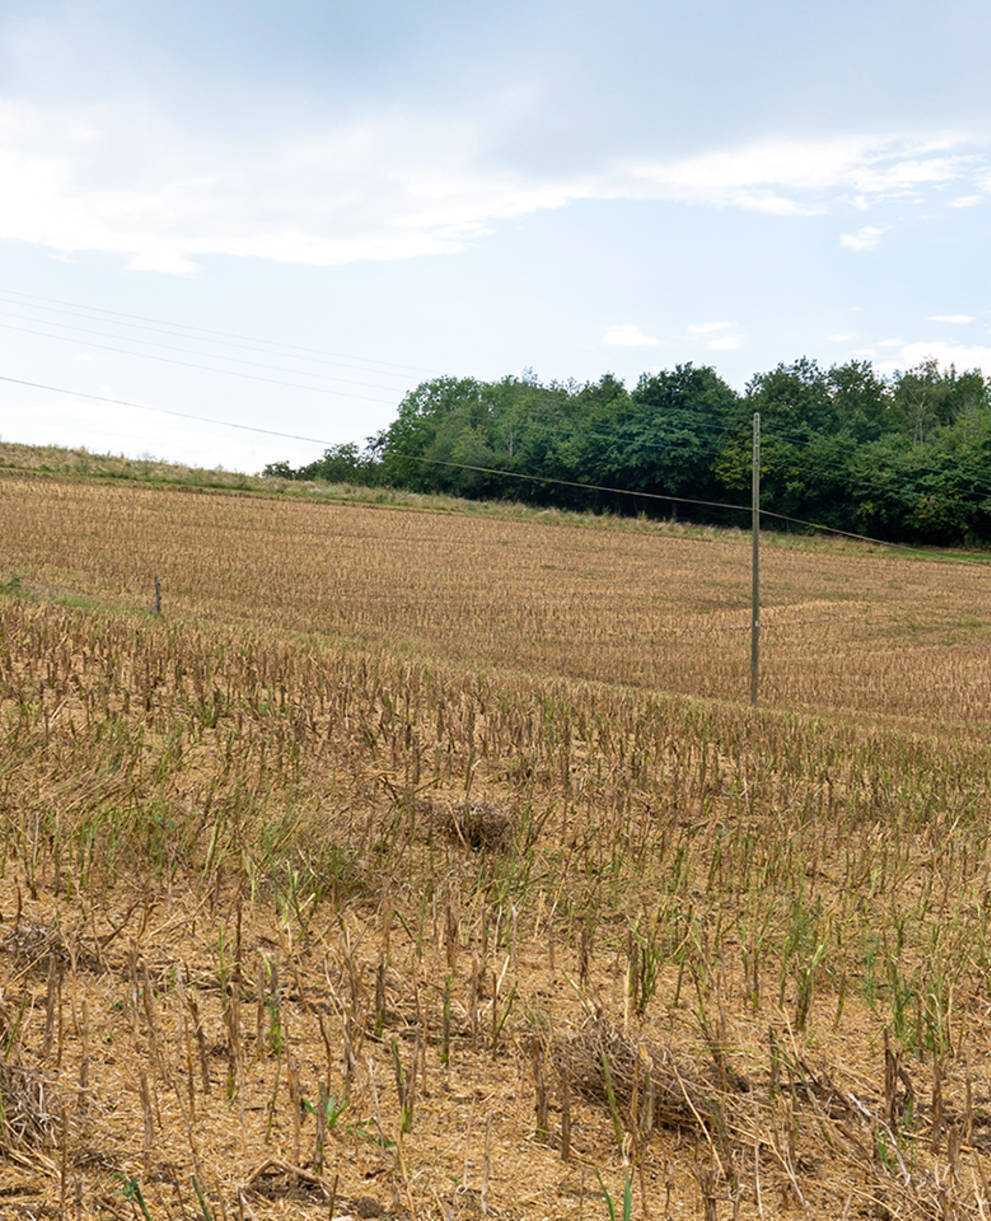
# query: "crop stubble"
{"points": [[461, 825]]}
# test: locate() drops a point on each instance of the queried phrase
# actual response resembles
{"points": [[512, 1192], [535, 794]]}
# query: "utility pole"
{"points": [[755, 594]]}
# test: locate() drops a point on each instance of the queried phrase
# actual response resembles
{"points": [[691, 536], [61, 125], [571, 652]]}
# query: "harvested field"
{"points": [[432, 865]]}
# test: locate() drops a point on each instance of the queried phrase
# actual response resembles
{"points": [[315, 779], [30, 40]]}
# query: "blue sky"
{"points": [[287, 215]]}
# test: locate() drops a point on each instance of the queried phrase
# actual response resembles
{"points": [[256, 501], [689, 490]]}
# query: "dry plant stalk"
{"points": [[429, 799]]}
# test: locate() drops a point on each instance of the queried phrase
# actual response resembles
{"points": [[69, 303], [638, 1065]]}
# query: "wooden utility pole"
{"points": [[755, 593]]}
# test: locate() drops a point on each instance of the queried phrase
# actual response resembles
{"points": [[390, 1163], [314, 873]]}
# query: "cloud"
{"points": [[723, 337], [909, 355], [955, 319], [124, 180], [66, 421], [964, 201], [840, 338], [962, 356], [706, 328], [804, 177], [866, 238], [377, 189], [904, 177], [725, 343], [627, 335]]}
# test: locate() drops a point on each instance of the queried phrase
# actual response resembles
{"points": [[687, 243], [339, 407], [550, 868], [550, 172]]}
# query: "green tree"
{"points": [[426, 429], [928, 397], [666, 440], [862, 403]]}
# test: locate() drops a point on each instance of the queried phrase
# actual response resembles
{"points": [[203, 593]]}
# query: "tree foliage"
{"points": [[906, 457]]}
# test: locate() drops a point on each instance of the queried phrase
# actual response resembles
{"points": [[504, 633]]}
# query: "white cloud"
{"points": [[374, 190], [725, 343], [840, 338], [866, 238], [803, 177], [721, 336], [909, 355], [955, 319], [121, 180], [890, 343], [903, 176], [963, 356], [965, 201], [775, 205], [706, 328], [162, 258], [627, 335]]}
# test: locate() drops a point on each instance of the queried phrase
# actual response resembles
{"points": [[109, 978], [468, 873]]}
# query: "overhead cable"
{"points": [[253, 340], [238, 360], [465, 466], [187, 364]]}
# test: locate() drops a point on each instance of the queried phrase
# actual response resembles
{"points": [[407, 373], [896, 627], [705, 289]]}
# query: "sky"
{"points": [[285, 216]]}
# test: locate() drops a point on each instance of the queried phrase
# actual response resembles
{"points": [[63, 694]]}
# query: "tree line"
{"points": [[906, 457]]}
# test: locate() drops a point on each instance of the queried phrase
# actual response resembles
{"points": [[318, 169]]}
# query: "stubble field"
{"points": [[427, 864]]}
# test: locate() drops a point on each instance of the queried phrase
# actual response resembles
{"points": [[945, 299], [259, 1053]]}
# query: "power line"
{"points": [[187, 364], [181, 415], [696, 425], [465, 466], [571, 483], [252, 340], [860, 481], [689, 419], [238, 360], [828, 467], [862, 538], [233, 339], [272, 432], [192, 336], [713, 504], [691, 422], [670, 498]]}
